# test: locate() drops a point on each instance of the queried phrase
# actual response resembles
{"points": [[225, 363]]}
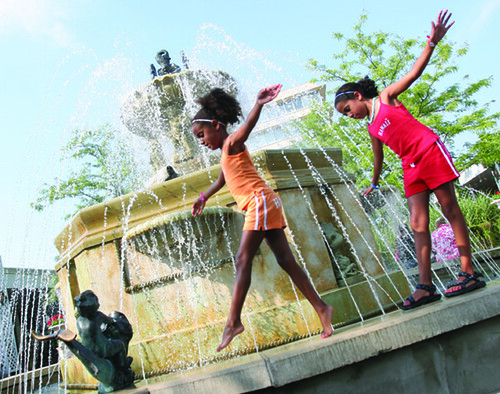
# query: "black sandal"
{"points": [[433, 296], [463, 284]]}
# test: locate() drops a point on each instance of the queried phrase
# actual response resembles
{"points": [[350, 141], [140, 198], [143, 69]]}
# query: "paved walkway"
{"points": [[310, 357]]}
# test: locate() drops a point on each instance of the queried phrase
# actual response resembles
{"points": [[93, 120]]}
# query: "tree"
{"points": [[485, 151], [436, 98], [105, 169]]}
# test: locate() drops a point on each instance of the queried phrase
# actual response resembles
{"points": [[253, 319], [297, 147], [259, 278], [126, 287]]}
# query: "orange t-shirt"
{"points": [[241, 177]]}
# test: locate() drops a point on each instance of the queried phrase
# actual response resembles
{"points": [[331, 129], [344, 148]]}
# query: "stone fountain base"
{"points": [[449, 346], [171, 275]]}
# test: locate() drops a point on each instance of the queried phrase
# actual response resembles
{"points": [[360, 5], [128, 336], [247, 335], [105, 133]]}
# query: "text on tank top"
{"points": [[400, 131]]}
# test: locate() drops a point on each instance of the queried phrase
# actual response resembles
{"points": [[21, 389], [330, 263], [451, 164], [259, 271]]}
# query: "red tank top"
{"points": [[241, 177], [401, 132]]}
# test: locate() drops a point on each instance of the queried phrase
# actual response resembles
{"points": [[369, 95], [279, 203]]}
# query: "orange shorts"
{"points": [[264, 212], [433, 169]]}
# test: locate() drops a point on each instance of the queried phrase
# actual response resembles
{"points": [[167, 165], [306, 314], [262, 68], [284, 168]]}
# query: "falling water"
{"points": [[393, 212], [183, 260]]}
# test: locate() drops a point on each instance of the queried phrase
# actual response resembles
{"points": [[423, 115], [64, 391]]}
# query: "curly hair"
{"points": [[365, 86], [220, 106]]}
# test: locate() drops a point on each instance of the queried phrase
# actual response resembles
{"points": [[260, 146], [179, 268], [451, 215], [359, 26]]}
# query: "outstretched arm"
{"points": [[239, 137], [438, 31], [378, 153], [199, 203]]}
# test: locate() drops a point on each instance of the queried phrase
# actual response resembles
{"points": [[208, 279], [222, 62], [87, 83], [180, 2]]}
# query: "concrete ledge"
{"points": [[306, 359]]}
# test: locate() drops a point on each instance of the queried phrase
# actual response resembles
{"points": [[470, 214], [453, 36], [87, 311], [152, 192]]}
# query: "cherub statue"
{"points": [[104, 343], [163, 59]]}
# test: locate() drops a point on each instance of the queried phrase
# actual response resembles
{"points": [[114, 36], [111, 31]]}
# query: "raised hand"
{"points": [[441, 26], [268, 94]]}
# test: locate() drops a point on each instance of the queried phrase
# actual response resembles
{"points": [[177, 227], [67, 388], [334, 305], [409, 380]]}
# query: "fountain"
{"points": [[160, 111], [152, 250], [144, 255]]}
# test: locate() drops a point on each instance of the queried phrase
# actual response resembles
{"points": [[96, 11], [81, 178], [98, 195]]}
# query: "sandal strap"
{"points": [[431, 289], [411, 299], [474, 276], [468, 277]]}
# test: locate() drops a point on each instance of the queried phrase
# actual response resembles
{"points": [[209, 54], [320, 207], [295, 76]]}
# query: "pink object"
{"points": [[444, 244]]}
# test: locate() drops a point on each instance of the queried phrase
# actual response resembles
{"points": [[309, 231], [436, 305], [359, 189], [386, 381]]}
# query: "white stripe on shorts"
{"points": [[446, 155], [265, 209], [256, 212], [256, 197]]}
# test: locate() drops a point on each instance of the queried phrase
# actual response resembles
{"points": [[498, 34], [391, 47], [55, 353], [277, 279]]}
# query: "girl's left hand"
{"points": [[368, 191], [439, 28], [268, 94], [198, 206]]}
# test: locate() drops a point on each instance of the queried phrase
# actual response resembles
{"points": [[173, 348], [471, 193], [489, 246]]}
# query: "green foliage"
{"points": [[105, 169], [485, 151], [482, 217], [436, 98], [51, 295]]}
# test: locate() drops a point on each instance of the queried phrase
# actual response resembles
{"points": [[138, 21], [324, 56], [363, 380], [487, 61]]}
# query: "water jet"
{"points": [[143, 255]]}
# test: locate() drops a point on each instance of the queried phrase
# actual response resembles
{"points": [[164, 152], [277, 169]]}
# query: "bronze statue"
{"points": [[104, 343], [171, 174], [163, 59]]}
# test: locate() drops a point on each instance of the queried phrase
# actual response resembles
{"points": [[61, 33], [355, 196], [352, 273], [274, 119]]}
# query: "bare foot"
{"points": [[229, 333], [326, 321]]}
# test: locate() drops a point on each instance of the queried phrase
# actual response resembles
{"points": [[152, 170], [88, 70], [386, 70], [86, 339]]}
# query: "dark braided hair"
{"points": [[220, 106], [364, 86]]}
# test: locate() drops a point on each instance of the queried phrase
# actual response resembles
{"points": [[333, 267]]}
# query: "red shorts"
{"points": [[433, 169], [264, 212]]}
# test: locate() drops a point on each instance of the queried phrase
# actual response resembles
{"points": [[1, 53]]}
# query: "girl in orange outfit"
{"points": [[264, 219], [427, 166]]}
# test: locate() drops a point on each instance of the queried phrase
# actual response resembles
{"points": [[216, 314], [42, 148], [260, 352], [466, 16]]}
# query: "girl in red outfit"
{"points": [[427, 166], [264, 218]]}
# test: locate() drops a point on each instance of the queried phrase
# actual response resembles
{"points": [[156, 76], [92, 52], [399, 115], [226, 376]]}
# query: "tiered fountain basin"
{"points": [[172, 274], [161, 111]]}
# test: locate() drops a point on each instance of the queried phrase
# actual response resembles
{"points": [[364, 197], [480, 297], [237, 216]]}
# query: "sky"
{"points": [[70, 65]]}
